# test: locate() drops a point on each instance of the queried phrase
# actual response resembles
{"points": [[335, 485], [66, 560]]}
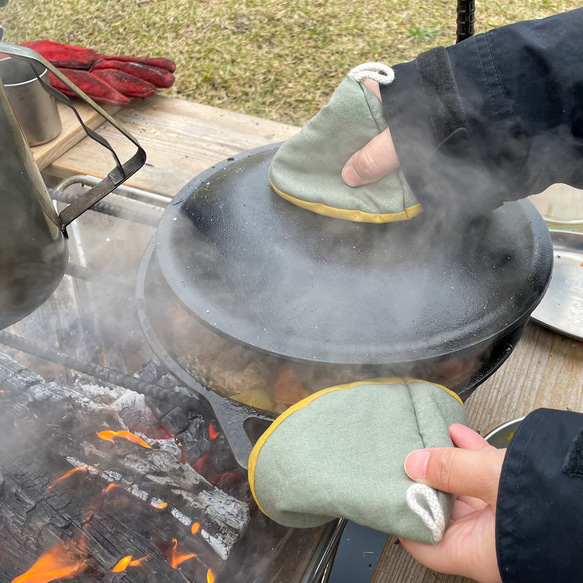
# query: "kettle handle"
{"points": [[120, 173]]}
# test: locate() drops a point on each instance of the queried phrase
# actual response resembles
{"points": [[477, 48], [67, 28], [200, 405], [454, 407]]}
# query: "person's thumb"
{"points": [[377, 159], [458, 471]]}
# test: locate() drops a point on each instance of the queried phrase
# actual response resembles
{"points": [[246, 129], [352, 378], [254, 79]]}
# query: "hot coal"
{"points": [[61, 482], [194, 440]]}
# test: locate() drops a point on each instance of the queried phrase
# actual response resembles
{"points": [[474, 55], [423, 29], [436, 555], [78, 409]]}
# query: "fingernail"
{"points": [[350, 176], [416, 464]]}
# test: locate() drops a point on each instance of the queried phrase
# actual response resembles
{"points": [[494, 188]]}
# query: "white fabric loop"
{"points": [[434, 520], [379, 72]]}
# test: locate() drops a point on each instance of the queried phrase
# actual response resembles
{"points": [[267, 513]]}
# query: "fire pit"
{"points": [[110, 469]]}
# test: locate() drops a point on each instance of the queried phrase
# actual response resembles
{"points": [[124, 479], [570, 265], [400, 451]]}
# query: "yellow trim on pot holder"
{"points": [[351, 215], [301, 404]]}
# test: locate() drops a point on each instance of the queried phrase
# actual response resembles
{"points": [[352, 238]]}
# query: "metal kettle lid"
{"points": [[281, 279]]}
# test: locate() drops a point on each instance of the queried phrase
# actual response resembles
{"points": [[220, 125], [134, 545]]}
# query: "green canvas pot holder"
{"points": [[307, 169], [340, 453]]}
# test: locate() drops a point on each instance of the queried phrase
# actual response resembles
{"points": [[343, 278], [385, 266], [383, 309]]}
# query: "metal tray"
{"points": [[561, 309]]}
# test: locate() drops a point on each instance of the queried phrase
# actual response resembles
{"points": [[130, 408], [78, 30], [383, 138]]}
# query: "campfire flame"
{"points": [[177, 559], [128, 562], [110, 435], [54, 564], [213, 433], [122, 565], [210, 576], [71, 472], [195, 527]]}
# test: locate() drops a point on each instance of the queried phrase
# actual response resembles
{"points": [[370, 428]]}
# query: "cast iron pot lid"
{"points": [[281, 279]]}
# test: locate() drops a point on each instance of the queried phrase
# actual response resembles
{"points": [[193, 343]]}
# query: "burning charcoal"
{"points": [[159, 407], [152, 372], [15, 376], [110, 495], [149, 371], [194, 440], [162, 407], [176, 420], [219, 467], [137, 421], [169, 381]]}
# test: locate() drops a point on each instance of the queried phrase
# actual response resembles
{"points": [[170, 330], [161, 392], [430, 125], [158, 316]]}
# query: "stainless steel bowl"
{"points": [[501, 436]]}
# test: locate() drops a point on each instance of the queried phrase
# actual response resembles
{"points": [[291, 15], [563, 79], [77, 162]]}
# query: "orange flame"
{"points": [[128, 562], [122, 565], [109, 436], [161, 505], [213, 433], [175, 558], [210, 576], [70, 473], [54, 564], [111, 487], [195, 527]]}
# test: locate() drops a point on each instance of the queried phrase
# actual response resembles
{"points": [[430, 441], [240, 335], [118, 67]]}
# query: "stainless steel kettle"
{"points": [[33, 237]]}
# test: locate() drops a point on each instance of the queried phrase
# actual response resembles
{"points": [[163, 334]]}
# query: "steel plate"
{"points": [[561, 309]]}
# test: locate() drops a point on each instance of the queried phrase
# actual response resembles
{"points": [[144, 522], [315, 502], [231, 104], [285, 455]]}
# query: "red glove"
{"points": [[107, 80]]}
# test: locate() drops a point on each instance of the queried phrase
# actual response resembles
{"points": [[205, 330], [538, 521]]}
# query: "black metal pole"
{"points": [[97, 371], [465, 19]]}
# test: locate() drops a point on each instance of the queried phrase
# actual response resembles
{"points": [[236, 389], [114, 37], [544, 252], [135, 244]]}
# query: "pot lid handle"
{"points": [[120, 173]]}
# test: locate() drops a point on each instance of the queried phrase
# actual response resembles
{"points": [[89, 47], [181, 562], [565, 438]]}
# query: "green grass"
{"points": [[277, 59]]}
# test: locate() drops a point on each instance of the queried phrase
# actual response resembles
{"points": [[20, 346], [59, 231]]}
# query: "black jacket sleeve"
{"points": [[494, 118], [539, 515]]}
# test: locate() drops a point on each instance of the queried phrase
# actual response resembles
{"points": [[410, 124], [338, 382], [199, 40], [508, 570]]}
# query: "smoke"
{"points": [[343, 300]]}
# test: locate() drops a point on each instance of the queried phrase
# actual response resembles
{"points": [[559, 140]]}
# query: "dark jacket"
{"points": [[539, 516], [496, 118]]}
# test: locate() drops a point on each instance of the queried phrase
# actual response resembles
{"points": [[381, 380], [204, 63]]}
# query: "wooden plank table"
{"points": [[183, 139], [71, 134]]}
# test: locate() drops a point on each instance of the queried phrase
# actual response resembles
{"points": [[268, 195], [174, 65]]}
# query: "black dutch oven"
{"points": [[405, 299]]}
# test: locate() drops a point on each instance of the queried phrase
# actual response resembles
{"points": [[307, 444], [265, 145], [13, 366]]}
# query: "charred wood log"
{"points": [[104, 500]]}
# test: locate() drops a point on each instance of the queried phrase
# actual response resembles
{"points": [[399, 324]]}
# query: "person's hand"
{"points": [[377, 159], [472, 472]]}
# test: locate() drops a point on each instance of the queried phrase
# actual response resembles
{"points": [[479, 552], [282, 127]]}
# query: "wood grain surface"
{"points": [[181, 140], [71, 134]]}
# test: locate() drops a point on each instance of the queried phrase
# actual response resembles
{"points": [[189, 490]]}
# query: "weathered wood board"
{"points": [[181, 139], [71, 134]]}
